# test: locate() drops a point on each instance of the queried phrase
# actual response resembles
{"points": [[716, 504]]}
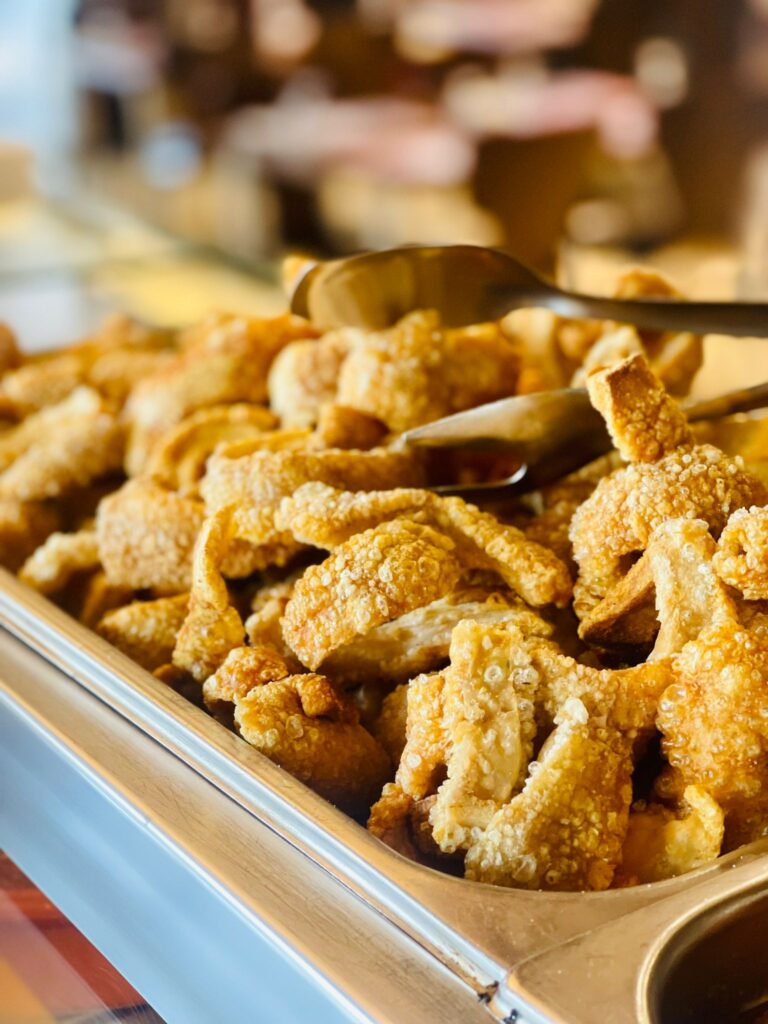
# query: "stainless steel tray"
{"points": [[489, 940]]}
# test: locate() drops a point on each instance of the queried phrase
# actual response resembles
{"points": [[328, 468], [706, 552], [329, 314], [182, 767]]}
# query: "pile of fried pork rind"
{"points": [[568, 693]]}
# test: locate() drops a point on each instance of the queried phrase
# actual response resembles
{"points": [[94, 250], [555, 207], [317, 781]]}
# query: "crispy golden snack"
{"points": [[663, 843], [72, 449], [422, 759], [226, 359], [644, 422], [374, 577], [741, 559], [304, 375], [213, 627], [256, 482], [146, 536], [146, 630], [490, 727], [314, 514], [115, 373], [311, 729], [566, 829], [338, 426], [98, 597], [418, 371], [419, 641], [43, 382], [391, 724], [713, 719], [178, 459], [242, 670], [57, 560], [24, 526]]}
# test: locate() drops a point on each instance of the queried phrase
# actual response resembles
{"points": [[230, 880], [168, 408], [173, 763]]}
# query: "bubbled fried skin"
{"points": [[308, 727], [146, 536], [178, 459], [375, 576], [419, 641], [617, 521], [78, 449], [662, 843], [212, 627], [256, 482], [422, 759], [490, 727], [304, 376], [316, 515], [741, 559], [390, 726], [146, 630], [566, 829], [24, 526], [645, 424], [338, 426], [242, 670], [417, 371], [225, 360], [55, 562]]}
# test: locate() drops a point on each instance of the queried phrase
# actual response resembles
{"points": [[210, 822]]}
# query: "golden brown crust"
{"points": [[374, 577], [741, 559], [178, 459], [418, 372], [309, 728], [212, 627], [146, 536], [242, 670], [57, 560], [645, 424], [146, 630]]}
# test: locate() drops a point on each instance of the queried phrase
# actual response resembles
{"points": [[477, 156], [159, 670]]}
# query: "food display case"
{"points": [[225, 890]]}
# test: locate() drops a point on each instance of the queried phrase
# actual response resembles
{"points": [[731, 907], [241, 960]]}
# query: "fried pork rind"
{"points": [[644, 422], [338, 426], [56, 561], [417, 371], [213, 627], [178, 459], [697, 481], [566, 829], [662, 843], [60, 449], [555, 505], [146, 536], [304, 375], [256, 482], [316, 515], [311, 729], [146, 630], [390, 727], [419, 641], [43, 382], [741, 559], [225, 360], [422, 760], [23, 527], [242, 670], [374, 577]]}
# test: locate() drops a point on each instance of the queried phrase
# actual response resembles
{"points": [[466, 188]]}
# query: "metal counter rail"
{"points": [[209, 913]]}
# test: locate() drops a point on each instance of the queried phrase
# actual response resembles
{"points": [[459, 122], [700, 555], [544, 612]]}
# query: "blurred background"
{"points": [[567, 130]]}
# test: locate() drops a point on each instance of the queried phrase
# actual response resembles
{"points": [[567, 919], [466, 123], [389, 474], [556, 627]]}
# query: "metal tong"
{"points": [[469, 284], [552, 433]]}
